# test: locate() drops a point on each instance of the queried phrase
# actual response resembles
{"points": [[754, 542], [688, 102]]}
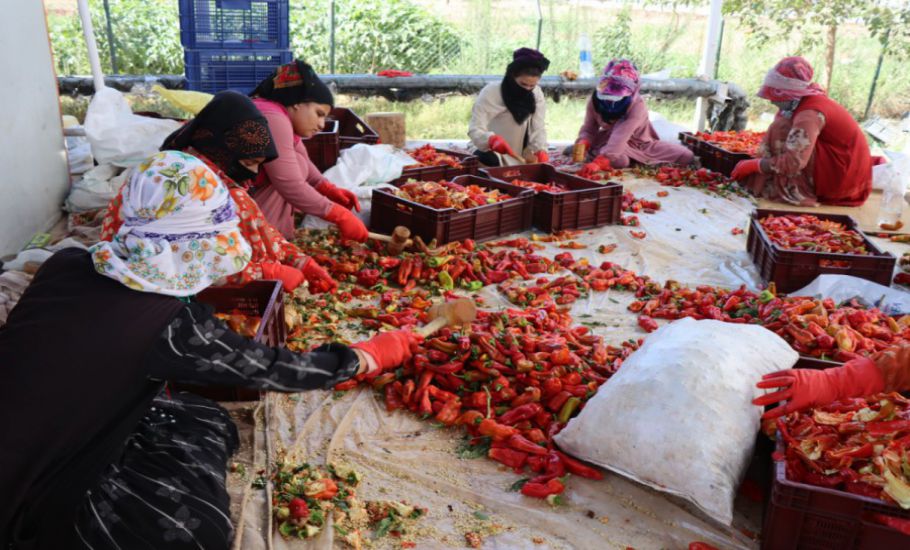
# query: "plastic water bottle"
{"points": [[889, 214], [585, 65]]}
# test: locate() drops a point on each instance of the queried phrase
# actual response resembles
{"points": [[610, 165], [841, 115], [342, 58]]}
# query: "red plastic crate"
{"points": [[352, 129], [804, 517], [791, 270], [713, 157], [469, 164], [324, 147], [262, 299], [479, 223], [585, 205]]}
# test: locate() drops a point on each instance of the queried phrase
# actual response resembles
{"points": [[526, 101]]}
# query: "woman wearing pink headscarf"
{"points": [[616, 122], [814, 152]]}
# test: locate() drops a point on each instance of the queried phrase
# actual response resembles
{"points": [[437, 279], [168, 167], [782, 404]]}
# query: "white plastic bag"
{"points": [[79, 154], [96, 188], [678, 415], [840, 288], [117, 135]]}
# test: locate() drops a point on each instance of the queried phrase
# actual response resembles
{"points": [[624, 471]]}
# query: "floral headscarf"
{"points": [[294, 83], [180, 229], [619, 80], [789, 80]]}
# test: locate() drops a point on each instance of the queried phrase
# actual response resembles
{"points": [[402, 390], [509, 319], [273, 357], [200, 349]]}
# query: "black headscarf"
{"points": [[294, 83], [520, 102], [230, 128]]}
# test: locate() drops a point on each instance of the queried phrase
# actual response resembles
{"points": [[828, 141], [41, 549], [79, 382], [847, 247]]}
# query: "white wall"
{"points": [[34, 178]]}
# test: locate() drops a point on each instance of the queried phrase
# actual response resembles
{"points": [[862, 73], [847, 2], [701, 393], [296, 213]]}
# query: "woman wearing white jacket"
{"points": [[507, 121]]}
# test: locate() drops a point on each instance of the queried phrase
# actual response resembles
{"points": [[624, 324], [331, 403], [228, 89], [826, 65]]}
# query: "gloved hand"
{"points": [[338, 195], [350, 225], [390, 349], [501, 146], [542, 156], [804, 388], [318, 277], [603, 163], [290, 277], [746, 168]]}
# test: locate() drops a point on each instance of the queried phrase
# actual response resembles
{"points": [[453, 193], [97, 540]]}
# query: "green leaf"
{"points": [[183, 185], [382, 528], [481, 515], [468, 451], [340, 530]]}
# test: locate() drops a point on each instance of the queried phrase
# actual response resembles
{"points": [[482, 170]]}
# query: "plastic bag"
{"points": [[79, 154], [191, 102], [840, 288], [96, 188], [678, 416], [117, 135]]}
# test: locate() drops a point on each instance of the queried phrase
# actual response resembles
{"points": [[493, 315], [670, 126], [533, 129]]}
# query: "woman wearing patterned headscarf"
{"points": [[231, 137], [295, 103], [93, 452], [507, 121], [616, 122], [814, 151]]}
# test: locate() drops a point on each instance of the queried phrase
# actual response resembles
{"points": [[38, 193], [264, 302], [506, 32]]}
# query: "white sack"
{"points": [[95, 189], [678, 415], [117, 135], [666, 130], [79, 154]]}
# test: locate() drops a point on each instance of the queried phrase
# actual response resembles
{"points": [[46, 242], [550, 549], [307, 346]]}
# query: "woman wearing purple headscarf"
{"points": [[616, 122], [507, 122]]}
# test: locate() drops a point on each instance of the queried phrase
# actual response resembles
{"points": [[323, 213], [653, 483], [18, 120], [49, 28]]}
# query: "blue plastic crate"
{"points": [[212, 71], [234, 24]]}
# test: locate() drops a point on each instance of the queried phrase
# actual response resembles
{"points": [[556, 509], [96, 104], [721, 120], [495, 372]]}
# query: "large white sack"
{"points": [[678, 415]]}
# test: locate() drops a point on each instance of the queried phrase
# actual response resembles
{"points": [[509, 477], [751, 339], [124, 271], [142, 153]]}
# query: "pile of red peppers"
{"points": [[813, 234]]}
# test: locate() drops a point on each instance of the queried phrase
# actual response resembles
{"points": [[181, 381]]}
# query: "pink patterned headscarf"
{"points": [[619, 79], [790, 79]]}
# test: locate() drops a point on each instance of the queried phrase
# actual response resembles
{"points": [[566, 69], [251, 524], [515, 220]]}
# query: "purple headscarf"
{"points": [[619, 79]]}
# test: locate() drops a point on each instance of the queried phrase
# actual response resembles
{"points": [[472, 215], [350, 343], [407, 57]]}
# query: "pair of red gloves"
{"points": [[389, 349], [349, 225], [499, 145]]}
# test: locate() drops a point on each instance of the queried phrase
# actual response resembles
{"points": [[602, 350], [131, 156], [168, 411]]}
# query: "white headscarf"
{"points": [[180, 229]]}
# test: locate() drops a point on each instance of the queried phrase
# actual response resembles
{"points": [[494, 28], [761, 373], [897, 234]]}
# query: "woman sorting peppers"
{"points": [[93, 452], [508, 119], [886, 371], [220, 137], [295, 103], [814, 152], [616, 124]]}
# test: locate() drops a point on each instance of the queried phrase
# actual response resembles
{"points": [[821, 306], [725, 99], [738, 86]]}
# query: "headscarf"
{"points": [[180, 229], [230, 128], [521, 102], [618, 80], [789, 80], [611, 110], [294, 83]]}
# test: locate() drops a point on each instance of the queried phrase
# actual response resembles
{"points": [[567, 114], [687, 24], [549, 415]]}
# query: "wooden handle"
{"points": [[431, 327], [379, 237]]}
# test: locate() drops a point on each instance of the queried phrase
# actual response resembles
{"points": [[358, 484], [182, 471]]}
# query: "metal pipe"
{"points": [[878, 70], [709, 54], [110, 37], [539, 23], [89, 33], [332, 37]]}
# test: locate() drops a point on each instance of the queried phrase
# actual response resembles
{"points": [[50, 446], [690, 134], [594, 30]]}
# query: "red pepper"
{"points": [[543, 490], [519, 443], [647, 323], [530, 394], [346, 385], [470, 418], [368, 277], [536, 463], [497, 431], [298, 508], [393, 397], [407, 392], [551, 387], [536, 436], [512, 459], [558, 400], [449, 413], [579, 468]]}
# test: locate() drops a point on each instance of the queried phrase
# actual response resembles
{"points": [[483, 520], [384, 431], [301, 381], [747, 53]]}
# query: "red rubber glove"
{"points": [[804, 388], [390, 349], [603, 163], [339, 196], [350, 225], [501, 146], [318, 277], [290, 277], [542, 156], [746, 168]]}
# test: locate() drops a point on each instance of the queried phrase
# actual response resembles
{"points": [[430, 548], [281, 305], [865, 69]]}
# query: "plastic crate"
{"points": [[213, 71], [352, 129], [258, 298], [805, 517], [690, 142], [234, 24], [324, 147], [815, 363], [469, 164], [585, 205], [793, 269], [718, 159], [479, 223]]}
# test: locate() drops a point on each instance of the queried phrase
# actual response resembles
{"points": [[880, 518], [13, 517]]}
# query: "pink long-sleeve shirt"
{"points": [[289, 182], [631, 137]]}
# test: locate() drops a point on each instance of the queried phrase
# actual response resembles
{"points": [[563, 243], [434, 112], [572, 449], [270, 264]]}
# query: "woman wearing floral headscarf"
{"points": [[93, 454], [231, 138], [295, 103], [616, 122], [508, 119], [814, 151]]}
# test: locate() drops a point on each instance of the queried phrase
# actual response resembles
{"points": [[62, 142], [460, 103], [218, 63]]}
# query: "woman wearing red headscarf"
{"points": [[814, 152]]}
